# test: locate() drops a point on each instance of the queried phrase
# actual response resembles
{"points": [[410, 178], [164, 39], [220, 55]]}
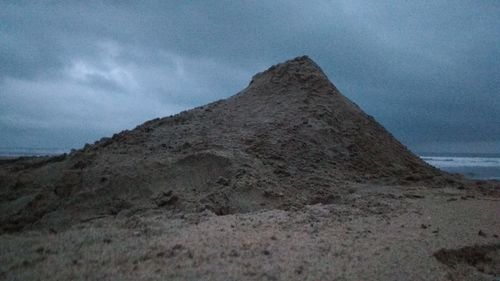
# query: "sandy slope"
{"points": [[286, 180], [287, 140], [385, 233]]}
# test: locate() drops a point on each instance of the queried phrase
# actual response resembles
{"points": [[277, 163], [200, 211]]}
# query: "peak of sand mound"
{"points": [[289, 139]]}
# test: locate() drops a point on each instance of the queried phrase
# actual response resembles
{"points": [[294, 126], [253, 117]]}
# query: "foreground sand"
{"points": [[384, 233]]}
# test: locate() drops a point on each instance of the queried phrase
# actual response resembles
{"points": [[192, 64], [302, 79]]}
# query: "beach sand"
{"points": [[385, 233], [286, 180]]}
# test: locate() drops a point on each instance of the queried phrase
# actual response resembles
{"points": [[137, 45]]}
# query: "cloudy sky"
{"points": [[72, 72]]}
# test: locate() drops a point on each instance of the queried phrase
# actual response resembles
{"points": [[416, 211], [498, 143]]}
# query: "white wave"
{"points": [[442, 162]]}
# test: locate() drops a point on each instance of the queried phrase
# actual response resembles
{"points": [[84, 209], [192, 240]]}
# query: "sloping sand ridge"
{"points": [[286, 180]]}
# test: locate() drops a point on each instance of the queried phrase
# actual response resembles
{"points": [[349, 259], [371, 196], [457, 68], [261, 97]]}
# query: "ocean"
{"points": [[471, 166], [21, 152]]}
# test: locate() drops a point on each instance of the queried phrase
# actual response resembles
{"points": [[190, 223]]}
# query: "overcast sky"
{"points": [[72, 72]]}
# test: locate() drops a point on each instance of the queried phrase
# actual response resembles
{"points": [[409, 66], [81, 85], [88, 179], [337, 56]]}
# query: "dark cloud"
{"points": [[72, 71]]}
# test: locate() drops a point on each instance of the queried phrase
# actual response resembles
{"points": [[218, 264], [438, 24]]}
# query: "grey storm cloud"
{"points": [[74, 71]]}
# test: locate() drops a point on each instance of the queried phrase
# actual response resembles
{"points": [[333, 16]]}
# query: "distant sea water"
{"points": [[474, 166], [21, 152]]}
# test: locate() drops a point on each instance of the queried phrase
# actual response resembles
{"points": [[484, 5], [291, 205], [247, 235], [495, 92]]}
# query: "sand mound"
{"points": [[290, 138]]}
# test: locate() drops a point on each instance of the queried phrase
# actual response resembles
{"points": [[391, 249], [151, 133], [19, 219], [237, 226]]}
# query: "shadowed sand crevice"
{"points": [[484, 258]]}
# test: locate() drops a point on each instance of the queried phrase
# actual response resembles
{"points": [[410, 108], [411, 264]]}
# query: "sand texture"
{"points": [[286, 180]]}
